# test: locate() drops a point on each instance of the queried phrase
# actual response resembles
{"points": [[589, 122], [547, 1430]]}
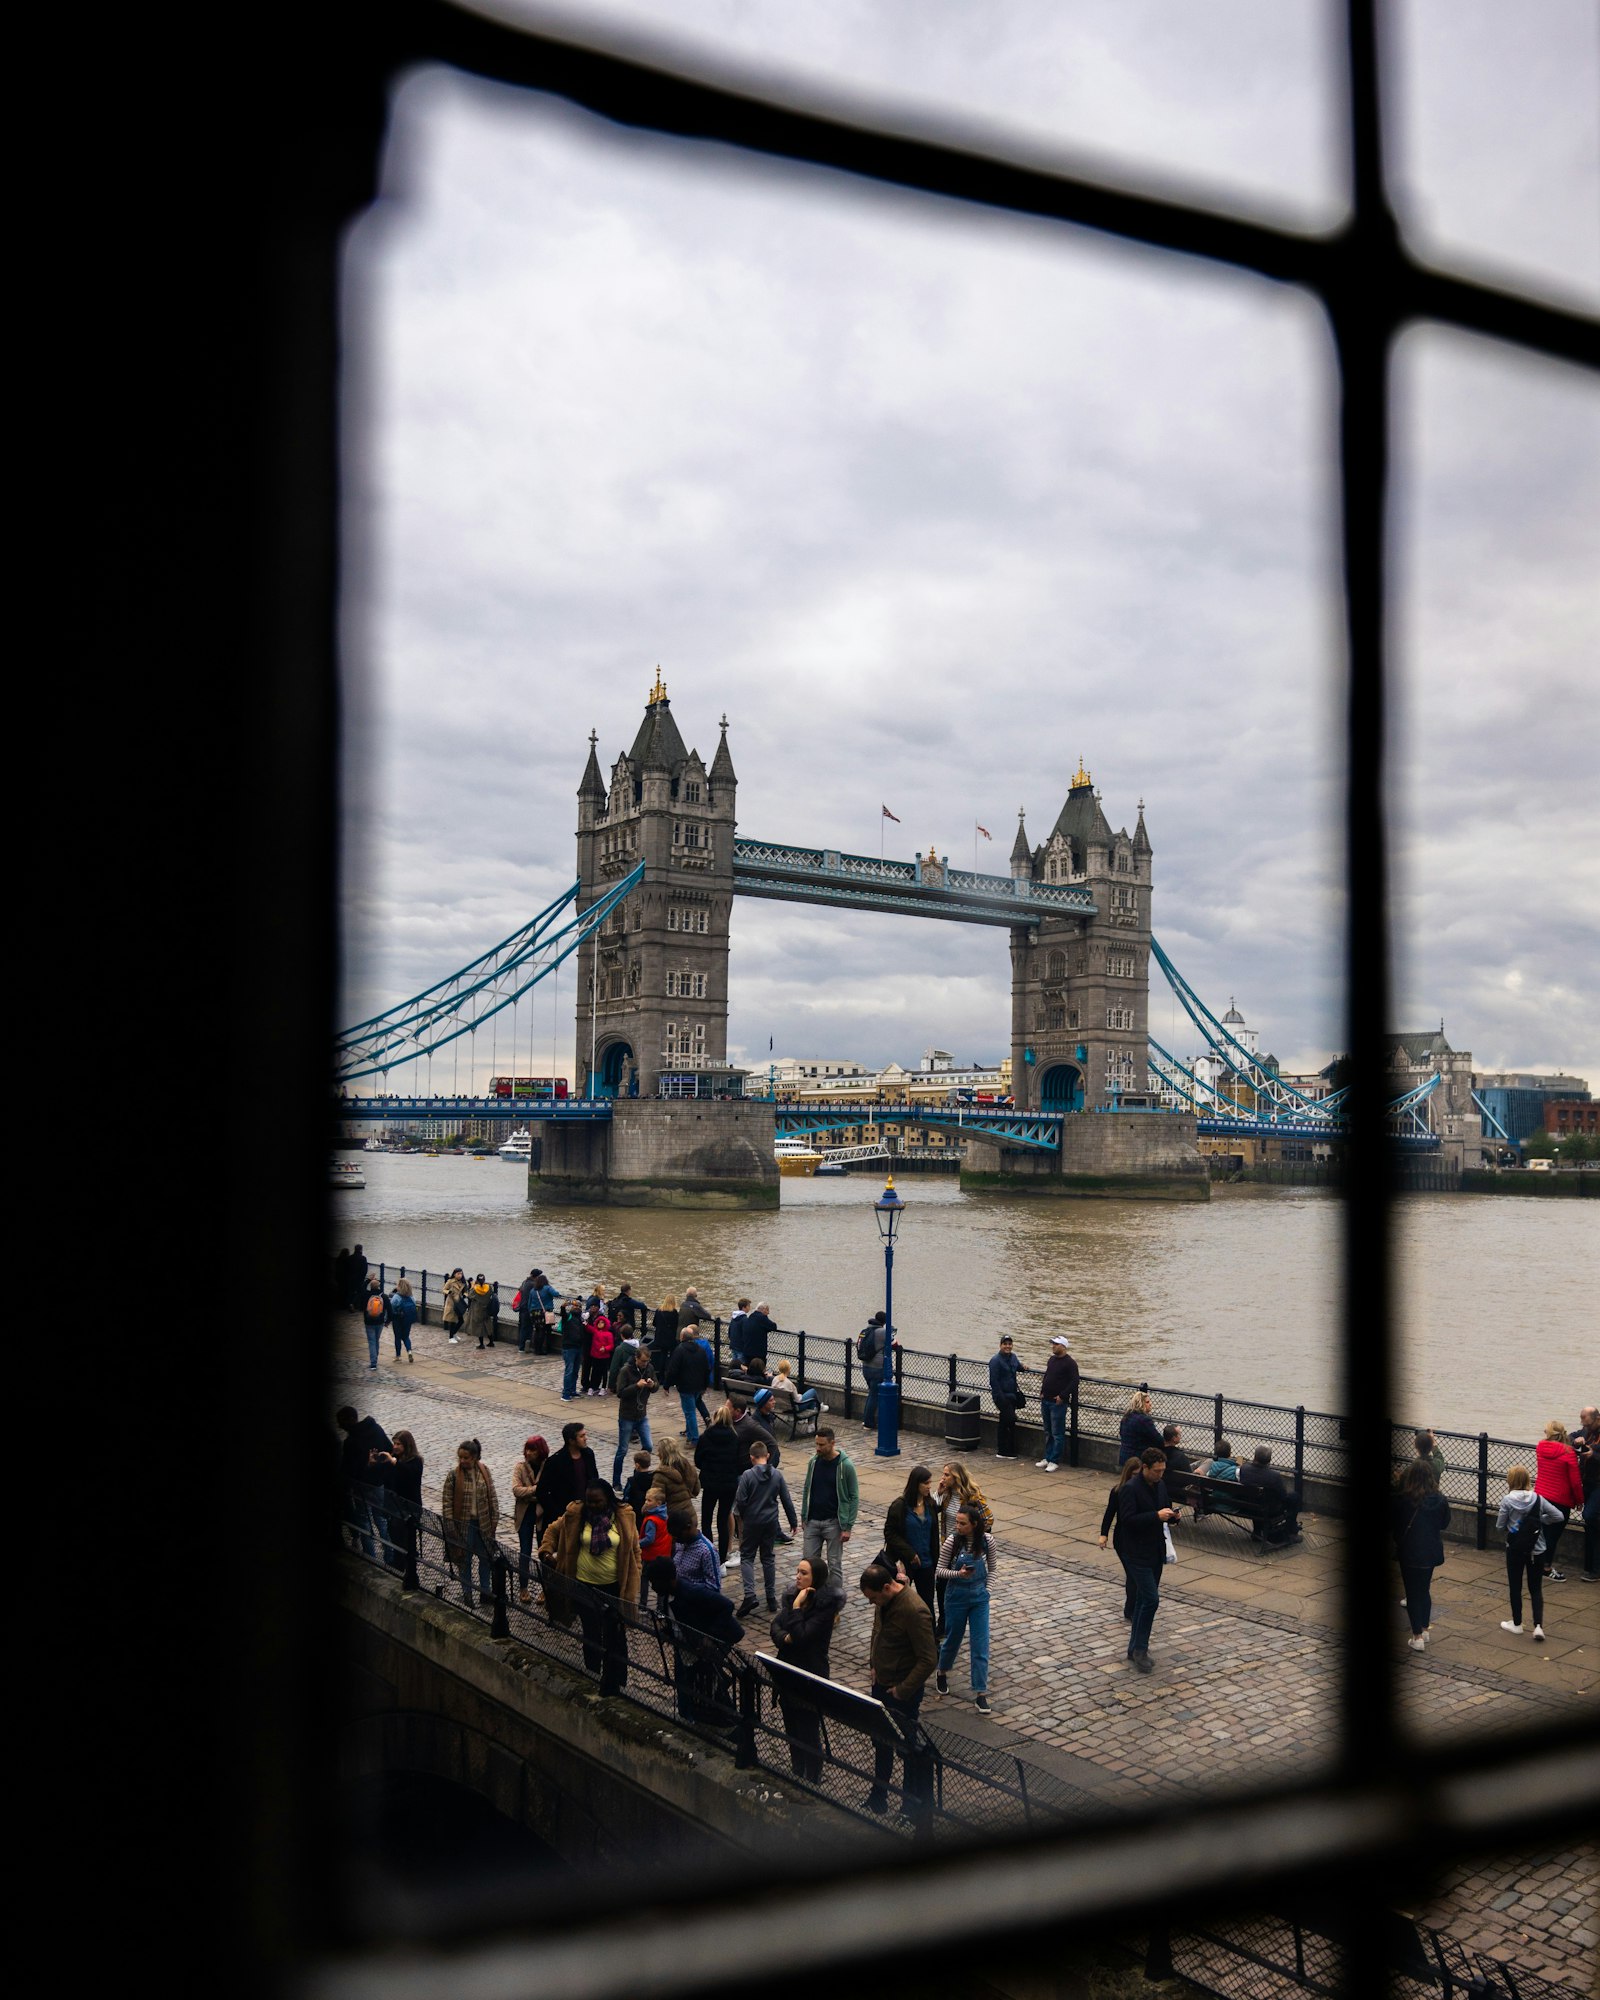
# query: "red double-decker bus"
{"points": [[528, 1086]]}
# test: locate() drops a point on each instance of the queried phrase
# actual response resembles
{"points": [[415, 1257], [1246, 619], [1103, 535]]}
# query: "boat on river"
{"points": [[518, 1148], [796, 1156], [346, 1174]]}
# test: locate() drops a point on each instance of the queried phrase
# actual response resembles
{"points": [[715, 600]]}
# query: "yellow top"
{"points": [[1083, 777], [658, 692], [594, 1569]]}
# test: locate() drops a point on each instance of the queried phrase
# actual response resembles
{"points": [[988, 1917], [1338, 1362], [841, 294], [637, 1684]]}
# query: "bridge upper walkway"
{"points": [[919, 888]]}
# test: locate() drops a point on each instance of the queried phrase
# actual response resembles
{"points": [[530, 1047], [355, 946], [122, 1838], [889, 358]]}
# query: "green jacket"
{"points": [[849, 1491]]}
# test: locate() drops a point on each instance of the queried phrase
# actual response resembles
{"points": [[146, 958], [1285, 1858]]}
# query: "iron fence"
{"points": [[843, 1747], [1308, 1446]]}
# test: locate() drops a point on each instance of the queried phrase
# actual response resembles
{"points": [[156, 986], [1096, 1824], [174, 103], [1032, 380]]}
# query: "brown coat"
{"points": [[674, 1483], [480, 1503], [559, 1547], [524, 1482]]}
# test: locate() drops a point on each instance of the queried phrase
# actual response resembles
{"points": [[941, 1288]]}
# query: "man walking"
{"points": [[1004, 1388], [830, 1501], [689, 1372], [1143, 1509], [1056, 1392], [901, 1655], [568, 1474], [374, 1317], [760, 1493], [758, 1326], [636, 1384]]}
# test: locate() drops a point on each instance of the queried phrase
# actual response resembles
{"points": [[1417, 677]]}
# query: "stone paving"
{"points": [[1244, 1645]]}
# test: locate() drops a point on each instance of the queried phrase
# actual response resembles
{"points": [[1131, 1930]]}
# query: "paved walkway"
{"points": [[1245, 1647]]}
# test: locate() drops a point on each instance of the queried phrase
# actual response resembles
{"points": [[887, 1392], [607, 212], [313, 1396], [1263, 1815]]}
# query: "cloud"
{"points": [[932, 504]]}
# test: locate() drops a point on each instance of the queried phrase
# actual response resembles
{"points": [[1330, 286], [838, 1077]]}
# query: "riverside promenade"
{"points": [[1245, 1645]]}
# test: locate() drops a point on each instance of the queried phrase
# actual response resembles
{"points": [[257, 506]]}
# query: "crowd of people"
{"points": [[715, 1499]]}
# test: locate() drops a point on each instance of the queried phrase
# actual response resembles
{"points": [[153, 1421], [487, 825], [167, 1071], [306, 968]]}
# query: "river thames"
{"points": [[1238, 1295]]}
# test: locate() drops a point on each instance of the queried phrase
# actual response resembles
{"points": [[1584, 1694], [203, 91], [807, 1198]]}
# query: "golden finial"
{"points": [[659, 692], [1083, 777]]}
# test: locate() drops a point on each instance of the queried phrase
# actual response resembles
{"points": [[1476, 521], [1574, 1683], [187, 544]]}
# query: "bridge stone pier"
{"points": [[671, 1153], [1112, 1155]]}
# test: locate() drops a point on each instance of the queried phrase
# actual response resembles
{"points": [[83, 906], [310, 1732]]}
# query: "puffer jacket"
{"points": [[720, 1457], [480, 1312], [1558, 1477]]}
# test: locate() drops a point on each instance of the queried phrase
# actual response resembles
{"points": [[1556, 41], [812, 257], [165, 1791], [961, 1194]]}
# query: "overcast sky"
{"points": [[933, 503]]}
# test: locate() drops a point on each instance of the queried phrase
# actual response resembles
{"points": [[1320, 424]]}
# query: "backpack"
{"points": [[1524, 1537], [864, 1340], [516, 1303], [601, 1343], [374, 1305]]}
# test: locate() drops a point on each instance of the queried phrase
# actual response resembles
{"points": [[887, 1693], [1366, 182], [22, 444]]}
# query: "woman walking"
{"points": [[1560, 1481], [966, 1563], [402, 1317], [1109, 1524], [596, 1544], [803, 1633], [911, 1532], [1526, 1518], [525, 1477], [574, 1335], [954, 1490], [719, 1456], [455, 1304], [1419, 1514]]}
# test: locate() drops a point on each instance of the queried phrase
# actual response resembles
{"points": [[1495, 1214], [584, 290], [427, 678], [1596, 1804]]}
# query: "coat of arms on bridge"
{"points": [[931, 869]]}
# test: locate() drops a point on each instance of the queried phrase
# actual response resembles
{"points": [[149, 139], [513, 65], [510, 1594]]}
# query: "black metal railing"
{"points": [[913, 1780], [1308, 1446]]}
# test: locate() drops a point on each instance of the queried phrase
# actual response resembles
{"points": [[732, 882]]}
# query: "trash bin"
{"points": [[961, 1421]]}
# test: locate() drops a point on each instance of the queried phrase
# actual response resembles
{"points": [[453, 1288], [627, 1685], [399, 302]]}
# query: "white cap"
{"points": [[1059, 1340]]}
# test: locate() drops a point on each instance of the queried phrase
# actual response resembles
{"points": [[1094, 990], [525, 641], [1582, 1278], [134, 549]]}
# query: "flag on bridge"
{"points": [[889, 815], [984, 831]]}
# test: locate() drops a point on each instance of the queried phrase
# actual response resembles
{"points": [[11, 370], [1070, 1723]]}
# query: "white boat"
{"points": [[346, 1174], [796, 1156], [518, 1147]]}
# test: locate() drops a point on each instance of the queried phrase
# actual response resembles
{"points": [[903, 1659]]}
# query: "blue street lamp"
{"points": [[888, 1208]]}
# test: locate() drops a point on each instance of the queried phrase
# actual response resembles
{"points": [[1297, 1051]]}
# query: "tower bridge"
{"points": [[661, 1117]]}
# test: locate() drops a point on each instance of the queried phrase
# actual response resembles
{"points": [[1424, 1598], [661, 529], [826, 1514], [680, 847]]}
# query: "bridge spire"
{"points": [[1082, 777], [722, 764], [593, 785], [659, 692]]}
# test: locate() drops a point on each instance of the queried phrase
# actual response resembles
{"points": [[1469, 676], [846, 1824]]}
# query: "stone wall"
{"points": [[662, 1153], [1122, 1155], [601, 1782]]}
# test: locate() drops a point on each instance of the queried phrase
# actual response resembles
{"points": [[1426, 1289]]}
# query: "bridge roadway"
{"points": [[921, 888], [1245, 1646]]}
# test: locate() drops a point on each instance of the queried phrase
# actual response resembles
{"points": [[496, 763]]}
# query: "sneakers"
{"points": [[1039, 1464], [1051, 1466], [1589, 1576], [1419, 1644], [1507, 1626], [730, 1565], [1538, 1631], [454, 1342], [1140, 1662], [1555, 1576], [941, 1681], [772, 1604], [982, 1705]]}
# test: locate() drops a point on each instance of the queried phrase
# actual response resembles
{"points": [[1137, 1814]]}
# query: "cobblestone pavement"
{"points": [[1246, 1662]]}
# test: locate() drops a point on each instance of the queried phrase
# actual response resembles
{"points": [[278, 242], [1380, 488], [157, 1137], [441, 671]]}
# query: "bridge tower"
{"points": [[1080, 986], [653, 982]]}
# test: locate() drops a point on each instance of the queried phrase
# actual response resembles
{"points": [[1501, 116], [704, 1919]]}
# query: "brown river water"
{"points": [[1238, 1295]]}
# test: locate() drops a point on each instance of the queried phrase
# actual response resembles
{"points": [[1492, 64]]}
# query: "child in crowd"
{"points": [[639, 1483]]}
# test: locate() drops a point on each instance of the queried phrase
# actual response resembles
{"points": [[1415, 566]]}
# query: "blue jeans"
{"points": [[373, 1332], [1146, 1582], [874, 1377], [691, 1421], [967, 1611], [475, 1546], [1055, 1431], [571, 1362], [629, 1427]]}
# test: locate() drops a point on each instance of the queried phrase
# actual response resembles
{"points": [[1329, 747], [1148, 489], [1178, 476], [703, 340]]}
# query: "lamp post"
{"points": [[888, 1208]]}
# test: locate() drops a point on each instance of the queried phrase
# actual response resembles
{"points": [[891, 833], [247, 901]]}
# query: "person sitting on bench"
{"points": [[789, 1399], [1259, 1477], [1223, 1466]]}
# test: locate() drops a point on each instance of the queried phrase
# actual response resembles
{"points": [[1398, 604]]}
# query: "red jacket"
{"points": [[1558, 1478]]}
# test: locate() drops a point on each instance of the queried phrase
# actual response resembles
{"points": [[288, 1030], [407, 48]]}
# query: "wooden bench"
{"points": [[742, 1392], [1266, 1519]]}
